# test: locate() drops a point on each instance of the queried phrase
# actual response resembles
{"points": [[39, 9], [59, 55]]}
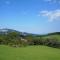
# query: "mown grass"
{"points": [[29, 53]]}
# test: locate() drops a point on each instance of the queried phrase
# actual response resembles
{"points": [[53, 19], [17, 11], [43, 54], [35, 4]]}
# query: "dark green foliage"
{"points": [[18, 39], [52, 42]]}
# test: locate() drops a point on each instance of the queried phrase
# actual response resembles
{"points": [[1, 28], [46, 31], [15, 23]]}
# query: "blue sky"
{"points": [[33, 16]]}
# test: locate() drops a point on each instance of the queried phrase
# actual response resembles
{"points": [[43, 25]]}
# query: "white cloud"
{"points": [[51, 15]]}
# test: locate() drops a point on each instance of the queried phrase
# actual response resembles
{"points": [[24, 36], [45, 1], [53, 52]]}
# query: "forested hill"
{"points": [[15, 38], [6, 31]]}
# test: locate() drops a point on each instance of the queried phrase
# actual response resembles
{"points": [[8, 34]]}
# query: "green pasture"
{"points": [[29, 53]]}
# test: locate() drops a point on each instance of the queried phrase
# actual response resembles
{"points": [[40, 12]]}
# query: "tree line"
{"points": [[17, 39]]}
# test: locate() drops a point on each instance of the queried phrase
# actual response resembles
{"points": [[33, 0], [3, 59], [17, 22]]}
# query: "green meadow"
{"points": [[57, 37], [29, 53]]}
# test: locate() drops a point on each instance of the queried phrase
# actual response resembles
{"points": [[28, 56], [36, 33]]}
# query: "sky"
{"points": [[32, 16]]}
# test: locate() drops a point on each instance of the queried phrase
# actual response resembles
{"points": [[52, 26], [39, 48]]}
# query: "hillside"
{"points": [[17, 39]]}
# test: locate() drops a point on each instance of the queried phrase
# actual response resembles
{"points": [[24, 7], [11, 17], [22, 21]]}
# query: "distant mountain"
{"points": [[6, 31], [55, 33]]}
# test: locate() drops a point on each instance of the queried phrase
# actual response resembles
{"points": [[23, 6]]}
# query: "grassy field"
{"points": [[29, 53], [57, 37]]}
